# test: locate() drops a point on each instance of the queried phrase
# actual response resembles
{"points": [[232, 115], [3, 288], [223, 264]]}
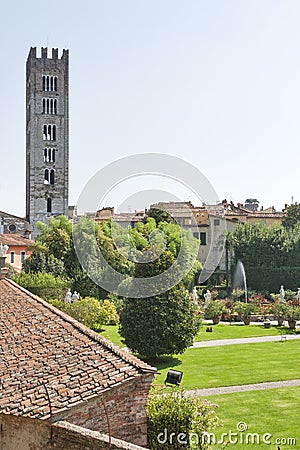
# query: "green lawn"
{"points": [[111, 333], [227, 331], [234, 364], [220, 331], [274, 411]]}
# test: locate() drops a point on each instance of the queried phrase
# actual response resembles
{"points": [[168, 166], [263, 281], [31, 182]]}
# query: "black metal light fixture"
{"points": [[174, 377]]}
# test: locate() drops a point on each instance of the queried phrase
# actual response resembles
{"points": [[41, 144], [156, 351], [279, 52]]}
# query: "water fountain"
{"points": [[239, 278]]}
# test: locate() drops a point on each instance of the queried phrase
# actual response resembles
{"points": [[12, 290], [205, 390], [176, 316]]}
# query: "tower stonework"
{"points": [[47, 135]]}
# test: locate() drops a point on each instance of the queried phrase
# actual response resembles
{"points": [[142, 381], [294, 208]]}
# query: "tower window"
{"points": [[49, 205], [49, 83], [46, 176], [49, 176], [49, 155], [52, 176], [49, 132], [49, 106]]}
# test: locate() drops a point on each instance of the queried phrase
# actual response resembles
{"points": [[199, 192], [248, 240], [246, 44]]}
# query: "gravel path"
{"points": [[242, 388], [251, 340]]}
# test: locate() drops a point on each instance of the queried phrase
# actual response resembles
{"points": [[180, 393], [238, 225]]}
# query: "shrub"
{"points": [[245, 309], [89, 311], [45, 285], [173, 417], [214, 309]]}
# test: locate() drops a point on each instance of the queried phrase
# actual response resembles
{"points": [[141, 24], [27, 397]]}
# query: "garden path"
{"points": [[242, 388], [249, 340]]}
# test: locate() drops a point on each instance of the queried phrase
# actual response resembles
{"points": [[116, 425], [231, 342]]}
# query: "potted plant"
{"points": [[292, 315], [214, 310], [279, 309], [245, 310]]}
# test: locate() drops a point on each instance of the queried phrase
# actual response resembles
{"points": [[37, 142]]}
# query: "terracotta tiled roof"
{"points": [[40, 345], [15, 239]]}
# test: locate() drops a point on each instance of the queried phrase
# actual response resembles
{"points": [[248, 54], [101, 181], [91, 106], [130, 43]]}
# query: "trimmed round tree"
{"points": [[161, 325]]}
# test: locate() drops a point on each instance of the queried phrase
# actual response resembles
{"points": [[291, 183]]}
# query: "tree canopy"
{"points": [[292, 216], [164, 321]]}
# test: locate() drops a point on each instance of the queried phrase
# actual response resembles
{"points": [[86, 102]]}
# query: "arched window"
{"points": [[49, 205], [52, 176], [49, 83], [46, 176], [45, 132], [49, 154], [49, 132]]}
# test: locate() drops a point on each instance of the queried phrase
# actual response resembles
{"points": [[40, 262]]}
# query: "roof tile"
{"points": [[41, 346]]}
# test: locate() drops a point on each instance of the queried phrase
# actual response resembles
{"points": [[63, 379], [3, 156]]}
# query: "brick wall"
{"points": [[125, 406], [22, 433]]}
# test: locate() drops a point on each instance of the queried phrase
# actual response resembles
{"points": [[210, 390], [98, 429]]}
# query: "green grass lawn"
{"points": [[228, 365], [220, 331], [111, 333], [227, 331], [233, 364], [274, 411]]}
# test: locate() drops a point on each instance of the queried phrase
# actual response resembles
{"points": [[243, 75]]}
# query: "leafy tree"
{"points": [[250, 201], [55, 237], [159, 325], [292, 215], [42, 261], [45, 285], [160, 214]]}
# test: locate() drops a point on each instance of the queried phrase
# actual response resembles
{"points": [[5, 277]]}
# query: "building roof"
{"points": [[42, 346], [15, 239]]}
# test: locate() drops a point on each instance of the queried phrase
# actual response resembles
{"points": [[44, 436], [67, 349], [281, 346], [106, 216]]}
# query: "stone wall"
{"points": [[121, 411], [22, 433]]}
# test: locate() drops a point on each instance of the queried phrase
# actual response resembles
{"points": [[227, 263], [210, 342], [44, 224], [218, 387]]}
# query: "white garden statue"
{"points": [[3, 250], [282, 293], [68, 297], [75, 296], [195, 295], [207, 296]]}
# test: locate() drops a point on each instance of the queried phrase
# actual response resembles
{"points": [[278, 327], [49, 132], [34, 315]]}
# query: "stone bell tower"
{"points": [[47, 135]]}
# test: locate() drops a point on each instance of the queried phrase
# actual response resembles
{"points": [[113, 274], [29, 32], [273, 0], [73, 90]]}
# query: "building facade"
{"points": [[47, 135], [18, 251]]}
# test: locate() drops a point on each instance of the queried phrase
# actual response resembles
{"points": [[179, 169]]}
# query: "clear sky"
{"points": [[216, 83]]}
